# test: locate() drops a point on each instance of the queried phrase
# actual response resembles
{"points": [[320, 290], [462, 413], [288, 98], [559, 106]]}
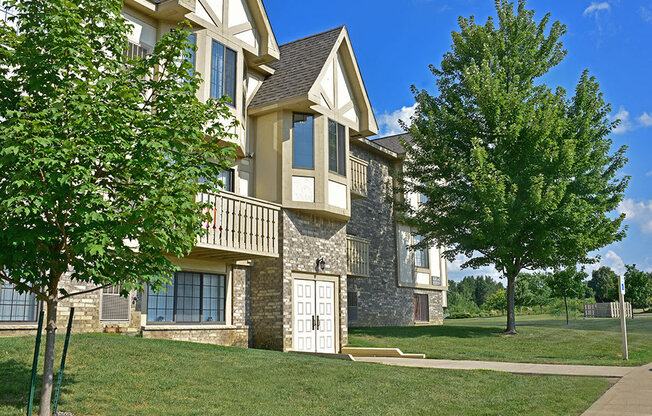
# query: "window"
{"points": [[421, 313], [226, 176], [352, 306], [303, 143], [423, 199], [6, 12], [420, 255], [223, 72], [114, 308], [192, 297], [16, 307], [336, 147]]}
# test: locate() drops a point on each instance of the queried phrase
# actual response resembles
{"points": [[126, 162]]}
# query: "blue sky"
{"points": [[395, 42]]}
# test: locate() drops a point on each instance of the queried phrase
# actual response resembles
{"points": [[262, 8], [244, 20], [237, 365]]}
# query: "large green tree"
{"points": [[101, 156], [517, 175], [568, 283]]}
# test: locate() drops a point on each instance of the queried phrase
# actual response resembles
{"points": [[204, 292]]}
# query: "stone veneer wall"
{"points": [[381, 302], [303, 239]]}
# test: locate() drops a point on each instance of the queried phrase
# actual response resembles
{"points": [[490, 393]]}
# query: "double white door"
{"points": [[314, 316]]}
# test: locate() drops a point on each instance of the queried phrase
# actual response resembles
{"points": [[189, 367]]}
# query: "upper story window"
{"points": [[192, 39], [226, 176], [192, 297], [6, 12], [303, 141], [336, 147], [17, 307], [420, 255], [423, 199], [223, 72]]}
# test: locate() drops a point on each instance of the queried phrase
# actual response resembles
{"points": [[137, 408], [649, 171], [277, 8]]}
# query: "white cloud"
{"points": [[388, 122], [645, 119], [625, 123], [638, 213], [611, 260], [596, 7], [456, 272]]}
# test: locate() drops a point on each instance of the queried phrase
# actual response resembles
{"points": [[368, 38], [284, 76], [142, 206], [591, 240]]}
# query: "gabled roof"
{"points": [[301, 63], [393, 143]]}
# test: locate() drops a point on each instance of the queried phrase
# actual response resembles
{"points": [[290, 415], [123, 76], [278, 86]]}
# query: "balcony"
{"points": [[358, 178], [357, 256], [241, 228]]}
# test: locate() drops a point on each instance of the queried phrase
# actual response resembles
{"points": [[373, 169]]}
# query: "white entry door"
{"points": [[314, 316]]}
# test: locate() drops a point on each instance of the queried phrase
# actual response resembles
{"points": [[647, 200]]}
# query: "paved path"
{"points": [[632, 395], [518, 368]]}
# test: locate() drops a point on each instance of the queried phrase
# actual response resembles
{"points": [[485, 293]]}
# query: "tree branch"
{"points": [[38, 293], [84, 291]]}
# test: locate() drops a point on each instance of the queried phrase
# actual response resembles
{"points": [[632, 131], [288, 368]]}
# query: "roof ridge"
{"points": [[311, 36]]}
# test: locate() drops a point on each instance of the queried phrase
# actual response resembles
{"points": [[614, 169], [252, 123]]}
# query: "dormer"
{"points": [[305, 114]]}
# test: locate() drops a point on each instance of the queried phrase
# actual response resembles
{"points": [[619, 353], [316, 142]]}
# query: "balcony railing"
{"points": [[358, 177], [357, 256], [240, 227]]}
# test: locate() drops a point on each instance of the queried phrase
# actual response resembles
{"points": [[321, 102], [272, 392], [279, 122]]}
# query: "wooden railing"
{"points": [[241, 224], [357, 256], [358, 176]]}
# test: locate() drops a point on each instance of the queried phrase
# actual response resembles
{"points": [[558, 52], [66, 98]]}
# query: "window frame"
{"points": [[422, 253], [340, 148], [222, 78], [349, 296], [294, 141], [174, 286], [27, 303]]}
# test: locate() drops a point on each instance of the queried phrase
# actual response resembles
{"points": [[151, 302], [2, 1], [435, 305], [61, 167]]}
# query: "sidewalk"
{"points": [[632, 395], [517, 368]]}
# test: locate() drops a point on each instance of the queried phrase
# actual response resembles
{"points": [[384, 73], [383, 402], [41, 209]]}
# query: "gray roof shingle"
{"points": [[301, 62], [393, 143]]}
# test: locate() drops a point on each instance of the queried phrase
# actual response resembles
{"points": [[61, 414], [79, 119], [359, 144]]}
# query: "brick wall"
{"points": [[303, 239], [381, 302]]}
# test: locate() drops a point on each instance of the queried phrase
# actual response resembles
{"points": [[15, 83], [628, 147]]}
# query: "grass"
{"points": [[541, 339], [119, 375]]}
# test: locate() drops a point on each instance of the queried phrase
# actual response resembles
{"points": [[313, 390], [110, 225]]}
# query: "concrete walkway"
{"points": [[632, 395], [517, 368]]}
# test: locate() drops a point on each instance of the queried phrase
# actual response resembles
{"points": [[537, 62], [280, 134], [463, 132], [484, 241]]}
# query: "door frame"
{"points": [[333, 278]]}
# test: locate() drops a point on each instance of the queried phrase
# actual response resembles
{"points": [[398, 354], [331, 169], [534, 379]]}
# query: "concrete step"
{"points": [[378, 352]]}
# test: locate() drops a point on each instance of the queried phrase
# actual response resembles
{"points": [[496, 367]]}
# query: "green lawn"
{"points": [[542, 339], [119, 375]]}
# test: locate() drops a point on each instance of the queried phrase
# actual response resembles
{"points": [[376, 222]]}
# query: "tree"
{"points": [[604, 283], [531, 290], [567, 283], [101, 156], [497, 301], [516, 174], [638, 287]]}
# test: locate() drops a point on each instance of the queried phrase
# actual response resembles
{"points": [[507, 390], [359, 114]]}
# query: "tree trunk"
{"points": [[566, 305], [48, 365], [511, 315]]}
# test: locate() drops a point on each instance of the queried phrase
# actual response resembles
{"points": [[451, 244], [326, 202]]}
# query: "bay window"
{"points": [[336, 148], [223, 72], [190, 298], [303, 141]]}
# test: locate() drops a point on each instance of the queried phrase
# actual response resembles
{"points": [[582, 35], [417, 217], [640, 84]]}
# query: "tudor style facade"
{"points": [[300, 205]]}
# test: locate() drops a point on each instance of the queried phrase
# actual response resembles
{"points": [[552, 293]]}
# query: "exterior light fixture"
{"points": [[321, 264]]}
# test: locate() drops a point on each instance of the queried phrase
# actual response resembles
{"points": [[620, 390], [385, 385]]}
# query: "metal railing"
{"points": [[241, 224], [357, 256]]}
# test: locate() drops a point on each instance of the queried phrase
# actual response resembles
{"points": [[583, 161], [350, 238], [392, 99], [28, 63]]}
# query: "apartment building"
{"points": [[301, 224]]}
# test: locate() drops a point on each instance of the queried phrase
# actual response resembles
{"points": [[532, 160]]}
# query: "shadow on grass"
{"points": [[15, 379], [426, 331]]}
